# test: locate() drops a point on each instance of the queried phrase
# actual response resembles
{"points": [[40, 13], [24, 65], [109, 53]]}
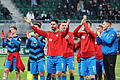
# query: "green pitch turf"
{"points": [[12, 75]]}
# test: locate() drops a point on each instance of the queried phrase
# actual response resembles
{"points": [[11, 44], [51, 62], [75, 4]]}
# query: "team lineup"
{"points": [[97, 51]]}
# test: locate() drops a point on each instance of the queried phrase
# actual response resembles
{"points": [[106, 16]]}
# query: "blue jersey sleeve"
{"points": [[109, 38], [4, 43], [98, 40], [28, 43]]}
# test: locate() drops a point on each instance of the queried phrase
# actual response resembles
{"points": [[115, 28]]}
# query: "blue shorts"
{"points": [[99, 66], [54, 64], [68, 62], [88, 66], [8, 65], [79, 67], [36, 67]]}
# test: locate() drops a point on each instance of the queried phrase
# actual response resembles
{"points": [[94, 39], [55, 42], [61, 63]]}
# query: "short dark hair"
{"points": [[14, 27], [100, 26], [64, 21], [108, 21], [89, 22], [54, 20], [38, 24]]}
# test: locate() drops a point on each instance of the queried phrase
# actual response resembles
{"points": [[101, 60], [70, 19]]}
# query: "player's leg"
{"points": [[79, 66], [98, 70], [29, 75], [83, 68], [35, 76], [5, 75], [70, 63], [59, 67], [103, 70], [63, 75], [7, 67], [34, 70], [51, 67], [41, 69], [18, 75], [92, 67], [48, 76], [16, 69], [64, 69]]}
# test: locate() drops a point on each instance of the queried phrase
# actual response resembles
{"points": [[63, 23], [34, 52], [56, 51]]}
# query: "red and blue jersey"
{"points": [[87, 41]]}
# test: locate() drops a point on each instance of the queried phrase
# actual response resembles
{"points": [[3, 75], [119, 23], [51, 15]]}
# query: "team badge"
{"points": [[50, 39], [83, 37], [56, 35]]}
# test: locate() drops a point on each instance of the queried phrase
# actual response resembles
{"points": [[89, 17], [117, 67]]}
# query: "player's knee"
{"points": [[92, 76], [41, 73], [71, 72], [53, 76], [6, 70], [81, 76], [63, 73], [17, 72], [35, 75], [59, 73]]}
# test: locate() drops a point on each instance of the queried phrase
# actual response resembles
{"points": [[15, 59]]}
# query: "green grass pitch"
{"points": [[12, 75]]}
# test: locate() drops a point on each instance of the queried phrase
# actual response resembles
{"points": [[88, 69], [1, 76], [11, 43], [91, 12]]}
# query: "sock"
{"points": [[71, 77], [35, 78], [42, 77], [4, 79], [63, 77], [58, 78], [48, 76], [53, 78], [81, 78]]}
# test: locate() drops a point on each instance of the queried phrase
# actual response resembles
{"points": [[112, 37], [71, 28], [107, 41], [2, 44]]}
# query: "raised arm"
{"points": [[70, 39], [64, 33], [98, 40], [41, 32], [4, 43]]}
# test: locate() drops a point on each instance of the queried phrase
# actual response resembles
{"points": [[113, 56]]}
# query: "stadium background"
{"points": [[18, 10]]}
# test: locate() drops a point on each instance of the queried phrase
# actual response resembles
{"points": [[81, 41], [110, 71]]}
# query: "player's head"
{"points": [[100, 28], [63, 25], [106, 24], [54, 25], [38, 25], [89, 24], [13, 29]]}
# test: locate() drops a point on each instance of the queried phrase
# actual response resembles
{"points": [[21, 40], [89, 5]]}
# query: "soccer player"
{"points": [[99, 58], [109, 42], [77, 47], [88, 62], [68, 43], [55, 47], [36, 44], [13, 60]]}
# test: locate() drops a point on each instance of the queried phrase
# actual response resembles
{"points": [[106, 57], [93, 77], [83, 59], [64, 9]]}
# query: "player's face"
{"points": [[89, 25], [105, 25], [63, 26], [13, 31], [54, 26], [99, 29], [36, 34]]}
